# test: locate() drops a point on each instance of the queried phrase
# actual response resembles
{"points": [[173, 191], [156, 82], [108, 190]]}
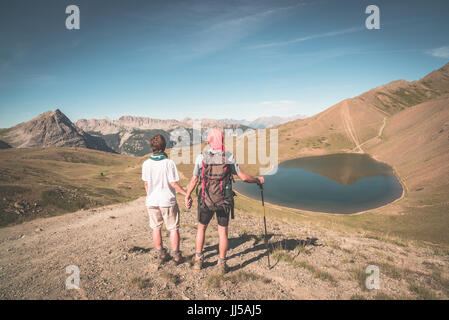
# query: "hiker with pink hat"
{"points": [[212, 177]]}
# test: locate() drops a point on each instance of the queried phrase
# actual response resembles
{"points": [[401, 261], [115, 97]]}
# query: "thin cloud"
{"points": [[248, 19], [311, 37], [225, 31], [442, 52]]}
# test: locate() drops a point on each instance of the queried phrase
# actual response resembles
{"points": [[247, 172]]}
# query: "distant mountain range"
{"points": [[264, 122], [107, 126], [127, 135], [131, 135]]}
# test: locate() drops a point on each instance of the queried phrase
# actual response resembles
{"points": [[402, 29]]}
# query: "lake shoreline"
{"points": [[346, 165]]}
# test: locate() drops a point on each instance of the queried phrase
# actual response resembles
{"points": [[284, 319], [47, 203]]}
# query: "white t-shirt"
{"points": [[159, 175]]}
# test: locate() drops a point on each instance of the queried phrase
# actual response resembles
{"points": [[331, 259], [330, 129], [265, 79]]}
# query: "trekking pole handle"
{"points": [[260, 184]]}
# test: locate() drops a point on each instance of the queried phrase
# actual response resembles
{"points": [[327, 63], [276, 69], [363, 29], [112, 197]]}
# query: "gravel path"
{"points": [[112, 248]]}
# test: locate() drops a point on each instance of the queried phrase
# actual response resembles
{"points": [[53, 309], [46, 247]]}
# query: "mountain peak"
{"points": [[51, 129], [49, 114]]}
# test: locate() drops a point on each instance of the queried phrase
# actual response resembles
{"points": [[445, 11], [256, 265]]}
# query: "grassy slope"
{"points": [[56, 180]]}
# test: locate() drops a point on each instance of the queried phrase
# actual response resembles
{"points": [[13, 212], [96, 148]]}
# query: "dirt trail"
{"points": [[379, 134], [349, 127], [113, 250], [381, 129]]}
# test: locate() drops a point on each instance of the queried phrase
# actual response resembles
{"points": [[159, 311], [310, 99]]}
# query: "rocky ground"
{"points": [[112, 248]]}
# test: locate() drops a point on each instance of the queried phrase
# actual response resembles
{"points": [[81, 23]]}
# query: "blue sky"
{"points": [[215, 59]]}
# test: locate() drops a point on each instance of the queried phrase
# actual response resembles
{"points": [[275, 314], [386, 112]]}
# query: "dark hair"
{"points": [[158, 143]]}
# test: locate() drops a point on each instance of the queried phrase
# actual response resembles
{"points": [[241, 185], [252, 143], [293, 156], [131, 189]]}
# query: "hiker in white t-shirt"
{"points": [[161, 183]]}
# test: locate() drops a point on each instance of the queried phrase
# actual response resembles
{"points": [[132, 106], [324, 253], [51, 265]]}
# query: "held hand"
{"points": [[261, 180], [188, 202]]}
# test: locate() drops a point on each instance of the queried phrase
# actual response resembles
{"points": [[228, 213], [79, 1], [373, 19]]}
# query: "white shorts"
{"points": [[167, 215]]}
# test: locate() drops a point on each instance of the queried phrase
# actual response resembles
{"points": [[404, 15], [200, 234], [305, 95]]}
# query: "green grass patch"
{"points": [[360, 276], [54, 198], [357, 297], [12, 191], [216, 280], [391, 270], [170, 277], [386, 239], [140, 283], [317, 273], [382, 296], [422, 293], [441, 252], [281, 255]]}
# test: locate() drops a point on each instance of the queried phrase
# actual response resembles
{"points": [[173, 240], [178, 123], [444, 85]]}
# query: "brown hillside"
{"points": [[417, 143], [398, 95], [351, 124]]}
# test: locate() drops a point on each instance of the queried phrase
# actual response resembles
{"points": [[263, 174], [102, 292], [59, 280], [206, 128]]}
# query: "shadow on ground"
{"points": [[258, 246]]}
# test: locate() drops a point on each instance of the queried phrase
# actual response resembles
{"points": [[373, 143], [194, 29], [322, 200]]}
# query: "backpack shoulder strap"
{"points": [[201, 176]]}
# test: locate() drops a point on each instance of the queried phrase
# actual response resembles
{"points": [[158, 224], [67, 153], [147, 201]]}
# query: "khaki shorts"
{"points": [[167, 215]]}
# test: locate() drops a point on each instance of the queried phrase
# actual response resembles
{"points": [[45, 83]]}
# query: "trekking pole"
{"points": [[265, 224]]}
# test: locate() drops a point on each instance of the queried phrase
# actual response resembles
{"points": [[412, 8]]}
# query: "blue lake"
{"points": [[338, 183]]}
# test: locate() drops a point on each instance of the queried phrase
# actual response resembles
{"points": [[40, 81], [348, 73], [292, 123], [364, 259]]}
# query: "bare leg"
{"points": [[200, 235], [222, 241], [174, 240], [157, 239]]}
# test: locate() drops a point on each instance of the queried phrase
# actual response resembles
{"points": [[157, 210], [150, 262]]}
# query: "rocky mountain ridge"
{"points": [[51, 129]]}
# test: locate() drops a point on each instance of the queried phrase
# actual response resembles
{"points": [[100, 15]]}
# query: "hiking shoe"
{"points": [[222, 268], [178, 259], [198, 264], [163, 256]]}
